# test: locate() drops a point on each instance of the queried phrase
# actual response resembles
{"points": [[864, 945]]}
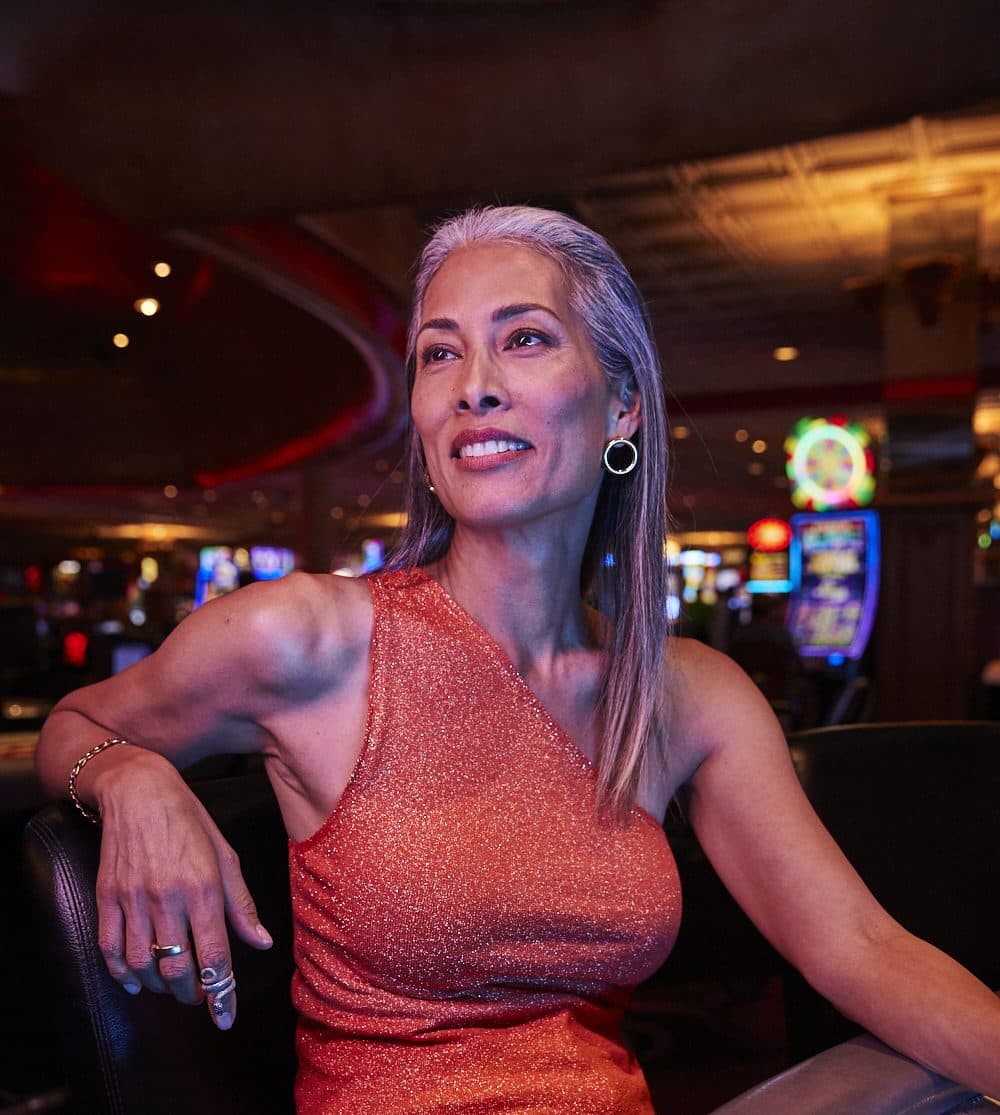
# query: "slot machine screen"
{"points": [[834, 572]]}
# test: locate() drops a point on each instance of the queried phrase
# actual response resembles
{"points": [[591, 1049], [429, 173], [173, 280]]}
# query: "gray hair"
{"points": [[623, 565]]}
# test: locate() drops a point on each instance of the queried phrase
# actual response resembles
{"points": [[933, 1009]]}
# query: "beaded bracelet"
{"points": [[92, 815]]}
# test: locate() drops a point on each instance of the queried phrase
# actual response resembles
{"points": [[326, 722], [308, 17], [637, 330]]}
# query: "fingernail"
{"points": [[263, 934], [224, 1021], [132, 988]]}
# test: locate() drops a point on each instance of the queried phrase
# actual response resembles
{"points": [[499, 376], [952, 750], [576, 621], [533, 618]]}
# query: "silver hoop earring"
{"points": [[621, 446]]}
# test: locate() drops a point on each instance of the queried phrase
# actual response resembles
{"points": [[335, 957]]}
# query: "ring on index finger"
{"points": [[161, 952]]}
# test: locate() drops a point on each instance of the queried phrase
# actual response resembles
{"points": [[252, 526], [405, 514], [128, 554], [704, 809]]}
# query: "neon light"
{"points": [[830, 464], [768, 586], [769, 535]]}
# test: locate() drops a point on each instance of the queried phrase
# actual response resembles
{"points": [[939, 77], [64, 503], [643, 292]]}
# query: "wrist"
{"points": [[83, 809], [101, 768]]}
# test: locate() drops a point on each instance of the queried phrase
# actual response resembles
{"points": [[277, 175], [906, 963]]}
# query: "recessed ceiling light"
{"points": [[147, 306], [120, 340], [785, 353], [741, 435], [681, 432], [161, 269], [759, 446]]}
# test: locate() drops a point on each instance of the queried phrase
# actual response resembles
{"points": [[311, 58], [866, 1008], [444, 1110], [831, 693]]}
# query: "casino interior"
{"points": [[209, 215]]}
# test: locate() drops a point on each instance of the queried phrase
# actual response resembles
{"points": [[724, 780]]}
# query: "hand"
{"points": [[168, 877]]}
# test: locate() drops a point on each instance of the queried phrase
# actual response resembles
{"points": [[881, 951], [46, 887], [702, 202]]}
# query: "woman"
{"points": [[471, 763]]}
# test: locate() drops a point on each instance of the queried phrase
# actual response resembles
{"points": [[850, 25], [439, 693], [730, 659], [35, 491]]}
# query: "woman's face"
{"points": [[511, 406]]}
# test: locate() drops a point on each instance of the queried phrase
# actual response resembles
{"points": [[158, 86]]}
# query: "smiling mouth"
{"points": [[491, 448]]}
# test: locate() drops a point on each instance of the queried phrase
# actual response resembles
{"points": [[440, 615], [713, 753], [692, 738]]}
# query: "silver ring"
{"points": [[220, 987], [161, 952]]}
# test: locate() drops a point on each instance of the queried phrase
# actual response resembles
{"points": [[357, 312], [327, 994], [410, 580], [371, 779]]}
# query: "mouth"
{"points": [[476, 444]]}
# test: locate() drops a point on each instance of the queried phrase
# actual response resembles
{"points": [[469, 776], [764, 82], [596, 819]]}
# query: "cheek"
{"points": [[420, 413], [584, 406]]}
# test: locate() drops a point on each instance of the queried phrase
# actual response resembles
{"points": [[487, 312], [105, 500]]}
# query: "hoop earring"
{"points": [[625, 446]]}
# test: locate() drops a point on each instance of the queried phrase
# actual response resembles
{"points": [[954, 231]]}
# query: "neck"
{"points": [[526, 594]]}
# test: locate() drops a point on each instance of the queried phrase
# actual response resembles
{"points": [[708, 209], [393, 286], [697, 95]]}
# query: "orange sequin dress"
{"points": [[467, 928]]}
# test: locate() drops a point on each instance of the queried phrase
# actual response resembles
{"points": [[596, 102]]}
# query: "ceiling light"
{"points": [[989, 466], [741, 435], [161, 269], [785, 353], [759, 445], [146, 306], [387, 520], [681, 432], [120, 340], [170, 491], [156, 532], [755, 468]]}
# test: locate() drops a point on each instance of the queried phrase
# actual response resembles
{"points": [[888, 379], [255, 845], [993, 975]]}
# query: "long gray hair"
{"points": [[623, 564]]}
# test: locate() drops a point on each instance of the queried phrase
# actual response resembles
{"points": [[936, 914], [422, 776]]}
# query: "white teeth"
{"points": [[488, 448]]}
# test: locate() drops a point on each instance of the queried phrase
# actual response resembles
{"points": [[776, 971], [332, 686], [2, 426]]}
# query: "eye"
{"points": [[435, 354], [527, 338]]}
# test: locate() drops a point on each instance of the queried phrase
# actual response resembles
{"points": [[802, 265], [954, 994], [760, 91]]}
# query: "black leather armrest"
{"points": [[148, 1054]]}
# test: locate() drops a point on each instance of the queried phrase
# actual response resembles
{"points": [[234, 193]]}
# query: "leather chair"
{"points": [[859, 1077], [914, 808], [149, 1055]]}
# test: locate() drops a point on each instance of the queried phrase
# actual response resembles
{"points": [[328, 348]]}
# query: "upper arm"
{"points": [[226, 668], [757, 827]]}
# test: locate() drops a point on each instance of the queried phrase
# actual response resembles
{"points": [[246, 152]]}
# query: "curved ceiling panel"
{"points": [[242, 368]]}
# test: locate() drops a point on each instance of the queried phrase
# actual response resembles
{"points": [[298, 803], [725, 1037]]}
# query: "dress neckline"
{"points": [[503, 660]]}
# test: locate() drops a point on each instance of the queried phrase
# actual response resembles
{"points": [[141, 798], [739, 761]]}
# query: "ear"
{"points": [[625, 413]]}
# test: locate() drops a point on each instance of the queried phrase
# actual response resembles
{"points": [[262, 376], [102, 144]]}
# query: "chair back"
{"points": [[914, 808], [149, 1055]]}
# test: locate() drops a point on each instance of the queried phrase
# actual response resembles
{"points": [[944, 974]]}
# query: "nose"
{"points": [[482, 387]]}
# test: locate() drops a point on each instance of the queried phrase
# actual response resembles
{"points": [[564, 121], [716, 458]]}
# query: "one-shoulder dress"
{"points": [[468, 925]]}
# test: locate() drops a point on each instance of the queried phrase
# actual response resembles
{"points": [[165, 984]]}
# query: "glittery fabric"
{"points": [[467, 927]]}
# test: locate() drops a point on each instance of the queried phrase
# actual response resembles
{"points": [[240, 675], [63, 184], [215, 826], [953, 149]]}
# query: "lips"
{"points": [[477, 444]]}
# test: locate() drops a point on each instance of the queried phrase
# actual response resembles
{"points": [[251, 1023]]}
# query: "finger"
{"points": [[215, 962], [178, 971], [111, 942], [219, 985], [139, 935], [239, 903]]}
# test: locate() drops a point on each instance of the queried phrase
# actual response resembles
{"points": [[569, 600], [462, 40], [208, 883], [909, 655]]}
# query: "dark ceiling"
{"points": [[286, 157]]}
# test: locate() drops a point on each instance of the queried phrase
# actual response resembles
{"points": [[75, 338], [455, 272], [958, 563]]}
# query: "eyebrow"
{"points": [[501, 314]]}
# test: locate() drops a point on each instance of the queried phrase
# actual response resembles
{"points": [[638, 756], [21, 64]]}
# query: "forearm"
{"points": [[921, 1002]]}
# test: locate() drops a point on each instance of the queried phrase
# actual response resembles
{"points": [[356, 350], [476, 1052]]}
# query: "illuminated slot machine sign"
{"points": [[830, 464], [222, 569], [834, 572]]}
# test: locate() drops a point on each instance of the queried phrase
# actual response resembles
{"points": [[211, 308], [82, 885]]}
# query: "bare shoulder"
{"points": [[712, 704], [290, 635]]}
